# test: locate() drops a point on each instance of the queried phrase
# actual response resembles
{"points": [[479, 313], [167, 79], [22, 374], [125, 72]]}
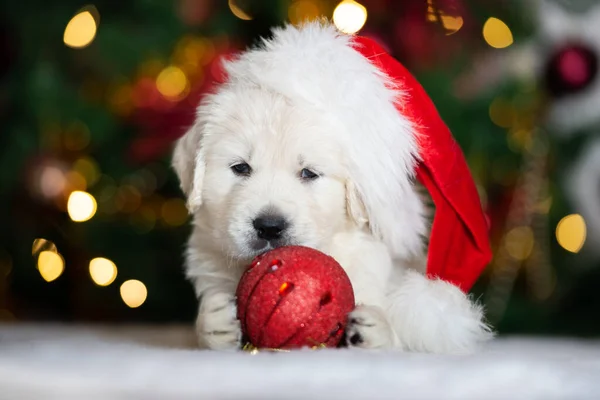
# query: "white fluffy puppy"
{"points": [[266, 164]]}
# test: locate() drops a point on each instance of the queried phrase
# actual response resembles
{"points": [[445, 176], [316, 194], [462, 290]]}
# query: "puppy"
{"points": [[268, 163]]}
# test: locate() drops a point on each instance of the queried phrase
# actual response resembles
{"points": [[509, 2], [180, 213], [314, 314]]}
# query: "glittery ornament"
{"points": [[294, 297]]}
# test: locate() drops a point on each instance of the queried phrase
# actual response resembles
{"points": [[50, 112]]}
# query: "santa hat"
{"points": [[392, 133], [459, 247]]}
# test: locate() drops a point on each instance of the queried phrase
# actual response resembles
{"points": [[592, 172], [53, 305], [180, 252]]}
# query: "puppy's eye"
{"points": [[308, 175], [241, 169]]}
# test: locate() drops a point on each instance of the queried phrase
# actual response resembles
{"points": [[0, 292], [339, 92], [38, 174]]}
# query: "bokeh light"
{"points": [[120, 99], [133, 293], [502, 112], [571, 232], [190, 53], [75, 181], [41, 244], [174, 212], [349, 16], [301, 11], [238, 12], [497, 34], [452, 24], [544, 205], [52, 181], [81, 206], [81, 30], [172, 82], [519, 242], [50, 265], [520, 140], [88, 168], [128, 198], [103, 271]]}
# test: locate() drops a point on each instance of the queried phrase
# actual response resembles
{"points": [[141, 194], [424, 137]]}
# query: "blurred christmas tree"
{"points": [[94, 95]]}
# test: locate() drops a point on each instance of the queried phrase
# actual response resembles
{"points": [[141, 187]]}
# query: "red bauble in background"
{"points": [[294, 297]]}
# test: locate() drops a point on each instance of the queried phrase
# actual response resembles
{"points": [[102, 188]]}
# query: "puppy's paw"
{"points": [[368, 328], [217, 325]]}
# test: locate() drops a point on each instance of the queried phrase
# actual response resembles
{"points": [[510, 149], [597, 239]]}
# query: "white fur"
{"points": [[308, 99]]}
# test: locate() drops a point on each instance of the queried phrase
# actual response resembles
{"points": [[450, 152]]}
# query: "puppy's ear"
{"points": [[355, 206], [189, 164], [392, 215]]}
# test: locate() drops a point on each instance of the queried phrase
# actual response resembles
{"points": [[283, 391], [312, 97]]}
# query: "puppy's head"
{"points": [[260, 172]]}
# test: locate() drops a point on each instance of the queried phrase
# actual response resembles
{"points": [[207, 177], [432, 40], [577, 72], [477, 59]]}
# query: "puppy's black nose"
{"points": [[269, 227]]}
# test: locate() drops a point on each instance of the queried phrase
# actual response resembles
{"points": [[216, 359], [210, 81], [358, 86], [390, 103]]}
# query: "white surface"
{"points": [[54, 362]]}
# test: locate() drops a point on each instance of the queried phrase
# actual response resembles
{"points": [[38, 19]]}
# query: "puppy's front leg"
{"points": [[369, 267], [217, 325]]}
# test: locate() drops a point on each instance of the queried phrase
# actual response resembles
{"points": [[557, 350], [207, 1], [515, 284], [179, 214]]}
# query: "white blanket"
{"points": [[61, 362]]}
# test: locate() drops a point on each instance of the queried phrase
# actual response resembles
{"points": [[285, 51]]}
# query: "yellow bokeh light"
{"points": [[571, 233], [349, 16], [497, 34], [519, 242], [544, 206], [452, 24], [174, 212], [190, 53], [103, 271], [172, 82], [75, 181], [238, 12], [87, 168], [41, 244], [133, 293], [432, 13], [50, 265], [121, 99], [301, 11], [81, 206], [519, 139], [502, 112], [80, 31]]}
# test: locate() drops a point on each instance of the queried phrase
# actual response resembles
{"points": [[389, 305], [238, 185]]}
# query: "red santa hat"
{"points": [[392, 133], [459, 247]]}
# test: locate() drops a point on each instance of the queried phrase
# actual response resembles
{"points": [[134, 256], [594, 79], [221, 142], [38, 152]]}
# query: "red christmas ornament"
{"points": [[294, 297]]}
